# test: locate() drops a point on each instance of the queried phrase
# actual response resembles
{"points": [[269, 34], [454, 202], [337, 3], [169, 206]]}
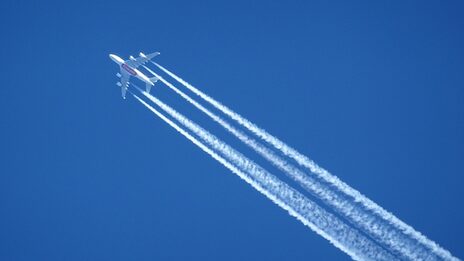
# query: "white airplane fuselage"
{"points": [[132, 71]]}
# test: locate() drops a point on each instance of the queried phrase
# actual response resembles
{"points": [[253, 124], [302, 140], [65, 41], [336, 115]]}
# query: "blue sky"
{"points": [[372, 92]]}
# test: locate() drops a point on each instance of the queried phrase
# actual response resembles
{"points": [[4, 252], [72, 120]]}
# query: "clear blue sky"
{"points": [[373, 92]]}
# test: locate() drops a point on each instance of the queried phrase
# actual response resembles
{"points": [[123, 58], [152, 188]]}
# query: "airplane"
{"points": [[129, 68]]}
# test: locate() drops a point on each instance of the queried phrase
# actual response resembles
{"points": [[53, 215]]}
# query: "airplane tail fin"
{"points": [[148, 86]]}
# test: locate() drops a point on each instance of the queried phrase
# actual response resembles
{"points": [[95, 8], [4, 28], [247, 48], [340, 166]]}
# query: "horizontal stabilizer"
{"points": [[153, 79], [149, 56]]}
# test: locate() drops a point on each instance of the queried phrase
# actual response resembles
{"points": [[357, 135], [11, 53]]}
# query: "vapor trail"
{"points": [[309, 213], [376, 228], [355, 196]]}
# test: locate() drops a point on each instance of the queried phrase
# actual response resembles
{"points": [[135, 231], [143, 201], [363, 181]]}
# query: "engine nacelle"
{"points": [[118, 75], [132, 58], [142, 55], [119, 84]]}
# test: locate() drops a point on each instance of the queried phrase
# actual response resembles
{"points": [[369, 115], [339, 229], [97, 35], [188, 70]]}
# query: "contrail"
{"points": [[324, 175], [309, 213], [376, 228]]}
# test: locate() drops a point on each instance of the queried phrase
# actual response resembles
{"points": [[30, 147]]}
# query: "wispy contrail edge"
{"points": [[320, 172]]}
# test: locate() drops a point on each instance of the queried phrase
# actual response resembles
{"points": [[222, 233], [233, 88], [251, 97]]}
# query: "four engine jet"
{"points": [[129, 68]]}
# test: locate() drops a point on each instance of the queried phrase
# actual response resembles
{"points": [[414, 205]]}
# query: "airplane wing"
{"points": [[141, 60], [124, 83]]}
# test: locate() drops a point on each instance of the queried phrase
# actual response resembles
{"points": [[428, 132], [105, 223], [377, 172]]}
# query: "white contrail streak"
{"points": [[323, 223], [392, 239], [368, 205]]}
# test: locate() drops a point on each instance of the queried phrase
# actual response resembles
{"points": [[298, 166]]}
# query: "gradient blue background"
{"points": [[371, 91]]}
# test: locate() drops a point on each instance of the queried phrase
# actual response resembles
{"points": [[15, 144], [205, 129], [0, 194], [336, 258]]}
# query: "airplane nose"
{"points": [[116, 59], [113, 57]]}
